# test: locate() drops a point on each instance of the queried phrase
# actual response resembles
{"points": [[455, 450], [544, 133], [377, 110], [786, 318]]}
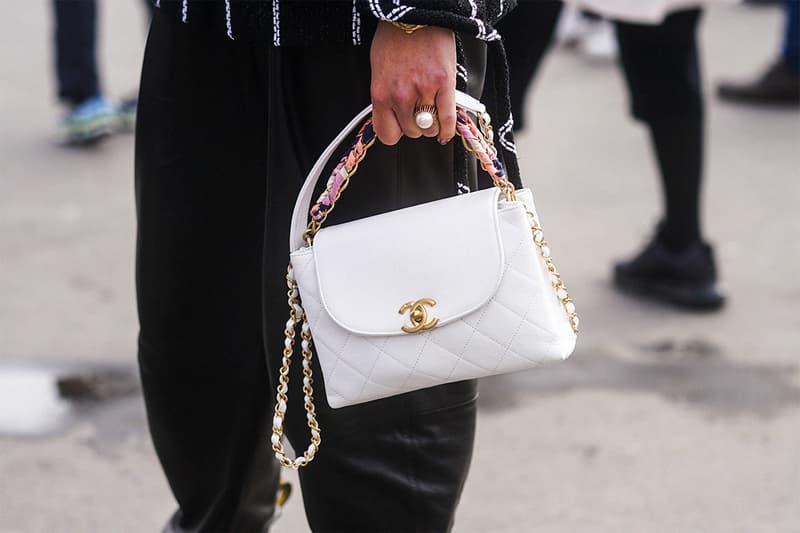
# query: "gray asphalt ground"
{"points": [[661, 422]]}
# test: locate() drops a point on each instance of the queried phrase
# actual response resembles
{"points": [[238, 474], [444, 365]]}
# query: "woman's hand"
{"points": [[408, 71]]}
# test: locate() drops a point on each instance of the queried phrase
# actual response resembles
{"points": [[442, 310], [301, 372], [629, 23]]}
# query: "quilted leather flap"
{"points": [[448, 252]]}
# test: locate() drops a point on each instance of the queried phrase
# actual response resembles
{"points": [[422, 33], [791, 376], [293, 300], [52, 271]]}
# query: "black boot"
{"points": [[687, 278], [780, 84]]}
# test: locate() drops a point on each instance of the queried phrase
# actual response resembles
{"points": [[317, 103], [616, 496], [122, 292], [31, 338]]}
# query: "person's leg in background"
{"points": [[662, 70], [200, 189], [527, 34], [587, 33], [791, 39], [780, 84], [90, 116], [75, 52]]}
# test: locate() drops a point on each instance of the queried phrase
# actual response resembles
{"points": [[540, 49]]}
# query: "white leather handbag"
{"points": [[455, 289]]}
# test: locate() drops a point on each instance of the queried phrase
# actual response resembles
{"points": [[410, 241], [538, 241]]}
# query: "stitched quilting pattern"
{"points": [[522, 326]]}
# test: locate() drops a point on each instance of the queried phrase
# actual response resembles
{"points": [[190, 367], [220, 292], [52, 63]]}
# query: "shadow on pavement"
{"points": [[693, 373]]}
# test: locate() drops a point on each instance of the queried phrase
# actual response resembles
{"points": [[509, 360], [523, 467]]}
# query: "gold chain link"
{"points": [[296, 315], [555, 278], [485, 126], [315, 225]]}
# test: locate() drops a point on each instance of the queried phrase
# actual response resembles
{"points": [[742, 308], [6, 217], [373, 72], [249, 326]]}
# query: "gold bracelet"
{"points": [[408, 28]]}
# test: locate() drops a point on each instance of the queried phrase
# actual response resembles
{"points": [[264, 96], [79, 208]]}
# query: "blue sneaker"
{"points": [[126, 115], [89, 121]]}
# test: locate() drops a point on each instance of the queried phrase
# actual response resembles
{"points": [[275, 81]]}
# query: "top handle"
{"points": [[475, 140]]}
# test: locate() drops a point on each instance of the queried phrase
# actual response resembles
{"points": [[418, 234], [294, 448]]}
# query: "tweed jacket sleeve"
{"points": [[338, 22], [313, 22], [471, 17]]}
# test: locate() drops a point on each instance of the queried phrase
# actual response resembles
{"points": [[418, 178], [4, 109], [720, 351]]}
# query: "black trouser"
{"points": [[76, 49], [791, 38], [662, 70], [660, 62], [226, 134]]}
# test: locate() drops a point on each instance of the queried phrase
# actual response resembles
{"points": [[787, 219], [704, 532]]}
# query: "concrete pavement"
{"points": [[661, 422]]}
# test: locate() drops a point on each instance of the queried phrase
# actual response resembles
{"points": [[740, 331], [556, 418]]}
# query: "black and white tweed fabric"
{"points": [[339, 22]]}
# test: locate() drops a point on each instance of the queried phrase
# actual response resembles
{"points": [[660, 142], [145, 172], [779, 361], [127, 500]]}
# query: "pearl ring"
{"points": [[424, 116]]}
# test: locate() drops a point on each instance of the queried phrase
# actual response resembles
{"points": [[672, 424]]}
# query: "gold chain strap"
{"points": [[555, 278], [487, 139], [314, 225], [296, 315], [567, 304]]}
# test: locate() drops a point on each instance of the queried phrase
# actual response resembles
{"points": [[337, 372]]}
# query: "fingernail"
{"points": [[443, 141]]}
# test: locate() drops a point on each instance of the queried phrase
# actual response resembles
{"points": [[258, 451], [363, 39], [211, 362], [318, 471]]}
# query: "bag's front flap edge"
{"points": [[489, 215]]}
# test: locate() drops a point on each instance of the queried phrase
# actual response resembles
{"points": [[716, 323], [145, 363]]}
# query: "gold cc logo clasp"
{"points": [[418, 314]]}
